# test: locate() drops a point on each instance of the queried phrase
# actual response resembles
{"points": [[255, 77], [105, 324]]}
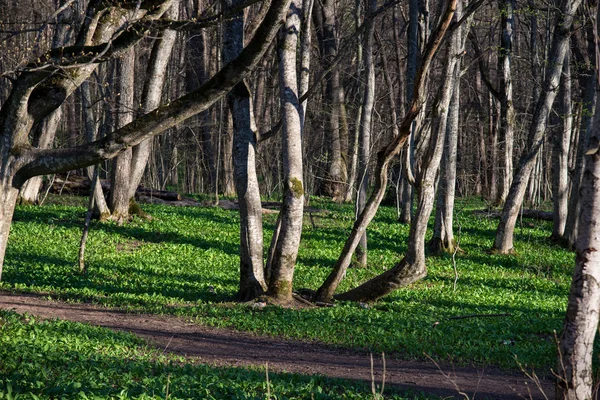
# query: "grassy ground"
{"points": [[184, 262]]}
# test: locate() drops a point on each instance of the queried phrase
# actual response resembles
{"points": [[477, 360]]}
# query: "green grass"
{"points": [[67, 360], [170, 265]]}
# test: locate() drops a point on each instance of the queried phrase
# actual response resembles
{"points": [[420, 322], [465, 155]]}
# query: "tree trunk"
{"points": [[326, 291], [90, 129], [560, 44], [152, 94], [285, 246], [118, 200], [560, 157], [507, 111], [576, 346], [252, 281], [326, 32], [368, 104], [443, 232]]}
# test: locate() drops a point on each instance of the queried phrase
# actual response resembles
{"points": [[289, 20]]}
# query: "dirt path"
{"points": [[227, 347]]}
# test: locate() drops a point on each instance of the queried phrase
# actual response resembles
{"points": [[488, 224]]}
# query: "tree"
{"points": [[576, 346], [286, 238], [537, 129], [45, 84]]}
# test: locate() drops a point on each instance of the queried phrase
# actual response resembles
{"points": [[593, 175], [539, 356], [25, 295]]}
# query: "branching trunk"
{"points": [[384, 158], [560, 44], [31, 91]]}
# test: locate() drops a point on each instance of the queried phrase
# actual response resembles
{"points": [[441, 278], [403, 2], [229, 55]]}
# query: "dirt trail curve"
{"points": [[227, 347]]}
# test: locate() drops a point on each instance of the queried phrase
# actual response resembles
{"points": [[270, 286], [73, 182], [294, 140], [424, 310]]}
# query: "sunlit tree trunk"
{"points": [[387, 282], [576, 347], [560, 44], [289, 230]]}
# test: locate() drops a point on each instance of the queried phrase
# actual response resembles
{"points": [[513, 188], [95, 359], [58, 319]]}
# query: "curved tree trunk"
{"points": [[560, 45], [152, 94], [384, 157], [33, 97], [285, 246], [252, 280]]}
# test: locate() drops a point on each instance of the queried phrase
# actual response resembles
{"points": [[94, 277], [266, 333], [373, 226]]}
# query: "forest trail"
{"points": [[232, 348]]}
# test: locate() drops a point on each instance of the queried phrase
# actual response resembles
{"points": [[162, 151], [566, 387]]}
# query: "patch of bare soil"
{"points": [[231, 348]]}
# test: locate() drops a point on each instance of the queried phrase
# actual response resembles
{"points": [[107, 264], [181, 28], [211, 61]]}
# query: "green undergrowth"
{"points": [[185, 262], [68, 360]]}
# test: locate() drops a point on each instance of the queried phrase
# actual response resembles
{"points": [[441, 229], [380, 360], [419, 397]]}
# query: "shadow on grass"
{"points": [[94, 362]]}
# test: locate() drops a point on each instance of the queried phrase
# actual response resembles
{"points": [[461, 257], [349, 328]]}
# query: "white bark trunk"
{"points": [[288, 236]]}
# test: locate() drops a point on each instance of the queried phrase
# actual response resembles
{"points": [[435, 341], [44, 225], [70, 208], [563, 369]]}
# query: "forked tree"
{"points": [[43, 85]]}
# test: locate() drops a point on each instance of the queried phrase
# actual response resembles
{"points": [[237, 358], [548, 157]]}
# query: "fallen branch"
{"points": [[480, 316], [533, 214]]}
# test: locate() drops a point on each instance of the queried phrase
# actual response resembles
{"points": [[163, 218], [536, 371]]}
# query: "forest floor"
{"points": [[231, 348]]}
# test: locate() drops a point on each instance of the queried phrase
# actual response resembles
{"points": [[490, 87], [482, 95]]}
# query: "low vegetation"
{"points": [[184, 262]]}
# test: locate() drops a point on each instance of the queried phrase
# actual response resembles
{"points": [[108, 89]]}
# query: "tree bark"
{"points": [[560, 44], [576, 346], [324, 17], [285, 246], [560, 156], [365, 127], [507, 110], [252, 280], [152, 94]]}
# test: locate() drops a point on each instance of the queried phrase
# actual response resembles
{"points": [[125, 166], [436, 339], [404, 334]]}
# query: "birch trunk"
{"points": [[285, 247], [560, 44], [152, 94], [576, 346]]}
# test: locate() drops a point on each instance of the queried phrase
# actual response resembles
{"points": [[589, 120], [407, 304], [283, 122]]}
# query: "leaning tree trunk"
{"points": [[252, 280], [152, 94], [412, 267], [576, 347], [33, 97], [46, 130], [560, 157], [384, 157], [365, 126], [287, 237], [560, 45], [118, 200]]}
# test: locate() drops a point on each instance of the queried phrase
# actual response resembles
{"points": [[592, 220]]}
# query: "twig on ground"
{"points": [[480, 316]]}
